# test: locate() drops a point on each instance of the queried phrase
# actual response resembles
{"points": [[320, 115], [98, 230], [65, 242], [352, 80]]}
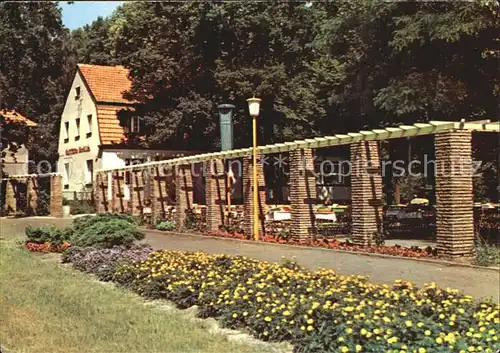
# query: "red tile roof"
{"points": [[106, 83], [109, 124], [15, 117]]}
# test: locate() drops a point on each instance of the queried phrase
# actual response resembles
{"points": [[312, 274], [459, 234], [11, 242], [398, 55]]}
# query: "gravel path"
{"points": [[480, 283]]}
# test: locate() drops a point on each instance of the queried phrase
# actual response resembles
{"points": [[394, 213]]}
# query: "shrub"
{"points": [[317, 311], [81, 207], [103, 262], [166, 225], [48, 234], [106, 233], [487, 255], [81, 223]]}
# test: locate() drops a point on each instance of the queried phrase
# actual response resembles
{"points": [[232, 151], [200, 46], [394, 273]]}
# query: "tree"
{"points": [[32, 76], [407, 62]]}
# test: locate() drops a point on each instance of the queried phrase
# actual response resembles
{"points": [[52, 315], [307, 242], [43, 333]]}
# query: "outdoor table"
{"points": [[326, 216], [278, 216]]}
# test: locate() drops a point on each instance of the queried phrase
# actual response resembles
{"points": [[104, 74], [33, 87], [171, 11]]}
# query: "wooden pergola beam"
{"points": [[417, 129]]}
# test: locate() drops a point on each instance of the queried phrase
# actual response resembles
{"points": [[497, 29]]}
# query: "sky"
{"points": [[81, 13]]}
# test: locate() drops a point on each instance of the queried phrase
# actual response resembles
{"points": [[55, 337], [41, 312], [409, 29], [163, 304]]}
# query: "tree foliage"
{"points": [[320, 68], [32, 76]]}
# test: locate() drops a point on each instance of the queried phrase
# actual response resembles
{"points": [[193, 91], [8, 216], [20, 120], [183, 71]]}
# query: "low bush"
{"points": [[81, 223], [103, 262], [105, 233], [166, 225], [81, 207], [48, 234], [317, 311], [487, 254]]}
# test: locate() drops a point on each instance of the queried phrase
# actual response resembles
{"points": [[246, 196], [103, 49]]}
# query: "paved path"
{"points": [[473, 281]]}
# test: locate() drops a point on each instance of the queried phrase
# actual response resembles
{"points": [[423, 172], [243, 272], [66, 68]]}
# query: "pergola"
{"points": [[455, 227]]}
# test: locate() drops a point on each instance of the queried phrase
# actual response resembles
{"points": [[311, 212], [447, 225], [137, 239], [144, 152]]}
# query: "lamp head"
{"points": [[254, 106]]}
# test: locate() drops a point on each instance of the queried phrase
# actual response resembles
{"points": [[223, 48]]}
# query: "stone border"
{"points": [[437, 262]]}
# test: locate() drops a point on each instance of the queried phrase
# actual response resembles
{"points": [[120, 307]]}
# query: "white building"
{"points": [[14, 162], [90, 132]]}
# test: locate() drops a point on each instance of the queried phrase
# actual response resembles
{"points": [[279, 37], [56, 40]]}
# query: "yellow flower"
{"points": [[392, 340], [439, 340], [310, 321], [427, 333], [344, 349], [309, 328], [348, 330], [408, 323], [422, 350], [358, 348], [267, 318], [235, 315], [363, 331]]}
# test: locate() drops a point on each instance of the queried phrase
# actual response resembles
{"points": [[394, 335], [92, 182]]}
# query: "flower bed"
{"points": [[46, 247], [317, 311], [103, 262], [335, 244]]}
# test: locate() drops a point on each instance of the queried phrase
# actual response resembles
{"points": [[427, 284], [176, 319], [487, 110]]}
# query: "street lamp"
{"points": [[253, 108]]}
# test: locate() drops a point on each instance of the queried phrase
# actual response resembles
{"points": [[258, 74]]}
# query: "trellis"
{"points": [[455, 233]]}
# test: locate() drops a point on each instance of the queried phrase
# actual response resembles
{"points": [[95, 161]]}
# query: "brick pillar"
{"points": [[118, 202], [183, 193], [303, 193], [10, 197], [215, 194], [454, 194], [56, 196], [248, 196], [366, 191], [101, 192], [32, 194]]}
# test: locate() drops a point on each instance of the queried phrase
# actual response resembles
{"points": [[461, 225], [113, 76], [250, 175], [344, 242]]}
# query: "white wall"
{"points": [[73, 109], [15, 163]]}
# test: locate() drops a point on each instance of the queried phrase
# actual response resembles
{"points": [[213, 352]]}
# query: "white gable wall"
{"points": [[76, 176]]}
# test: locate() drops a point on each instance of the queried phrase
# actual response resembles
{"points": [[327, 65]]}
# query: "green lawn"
{"points": [[47, 308]]}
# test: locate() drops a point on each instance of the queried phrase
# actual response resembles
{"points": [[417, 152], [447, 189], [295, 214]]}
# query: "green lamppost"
{"points": [[226, 142]]}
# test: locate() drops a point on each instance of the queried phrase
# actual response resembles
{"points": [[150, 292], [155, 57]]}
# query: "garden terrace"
{"points": [[154, 187]]}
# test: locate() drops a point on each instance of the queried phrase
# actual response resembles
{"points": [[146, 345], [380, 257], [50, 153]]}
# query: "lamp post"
{"points": [[253, 108], [226, 139]]}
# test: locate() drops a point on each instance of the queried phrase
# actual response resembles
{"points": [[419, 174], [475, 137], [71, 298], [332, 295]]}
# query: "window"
{"points": [[66, 132], [77, 92], [89, 172], [89, 125], [134, 124], [77, 136], [66, 175]]}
